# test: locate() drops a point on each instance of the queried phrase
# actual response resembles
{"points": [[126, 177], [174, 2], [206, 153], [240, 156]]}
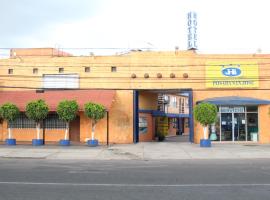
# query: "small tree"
{"points": [[205, 114], [67, 111], [95, 112], [37, 111], [9, 112]]}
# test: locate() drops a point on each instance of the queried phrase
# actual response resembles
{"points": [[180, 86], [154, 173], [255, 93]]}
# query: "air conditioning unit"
{"points": [[166, 99]]}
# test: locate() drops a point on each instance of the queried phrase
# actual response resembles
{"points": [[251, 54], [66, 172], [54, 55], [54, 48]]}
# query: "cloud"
{"points": [[22, 18], [222, 25]]}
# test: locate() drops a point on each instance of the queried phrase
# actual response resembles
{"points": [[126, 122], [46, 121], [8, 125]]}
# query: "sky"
{"points": [[224, 26]]}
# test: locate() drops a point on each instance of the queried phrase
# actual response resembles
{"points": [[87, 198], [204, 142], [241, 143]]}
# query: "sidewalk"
{"points": [[140, 151]]}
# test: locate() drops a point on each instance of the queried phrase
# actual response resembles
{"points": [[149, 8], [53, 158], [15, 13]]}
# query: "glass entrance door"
{"points": [[233, 127], [226, 126], [239, 127]]}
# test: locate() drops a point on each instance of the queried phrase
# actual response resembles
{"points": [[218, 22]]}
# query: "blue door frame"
{"points": [[190, 116], [136, 115]]}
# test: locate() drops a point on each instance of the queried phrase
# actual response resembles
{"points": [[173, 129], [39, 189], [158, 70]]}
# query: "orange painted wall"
{"points": [[146, 137], [120, 124], [51, 135], [172, 130], [263, 111], [148, 100], [1, 132], [121, 128], [120, 121], [264, 121], [186, 127]]}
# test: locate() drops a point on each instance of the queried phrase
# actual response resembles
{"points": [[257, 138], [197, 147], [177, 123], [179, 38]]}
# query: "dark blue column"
{"points": [[135, 116], [190, 116], [180, 125]]}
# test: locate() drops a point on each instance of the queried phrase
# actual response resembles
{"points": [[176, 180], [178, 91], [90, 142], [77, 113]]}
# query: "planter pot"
{"points": [[92, 143], [64, 142], [213, 136], [161, 138], [37, 142], [205, 143], [10, 141]]}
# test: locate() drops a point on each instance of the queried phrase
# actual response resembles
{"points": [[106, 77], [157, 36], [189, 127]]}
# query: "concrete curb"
{"points": [[140, 151]]}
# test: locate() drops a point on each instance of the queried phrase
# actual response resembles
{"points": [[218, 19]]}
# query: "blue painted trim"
{"points": [[64, 142], [37, 142], [10, 141], [92, 143], [180, 126], [205, 143], [135, 116], [146, 111], [190, 119], [157, 113]]}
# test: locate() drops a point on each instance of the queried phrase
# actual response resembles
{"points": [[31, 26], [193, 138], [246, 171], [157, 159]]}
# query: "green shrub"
{"points": [[37, 110], [205, 114], [67, 111], [95, 112]]}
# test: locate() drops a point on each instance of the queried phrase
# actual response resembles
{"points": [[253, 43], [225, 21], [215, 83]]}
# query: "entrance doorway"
{"points": [[233, 127], [74, 130], [163, 114]]}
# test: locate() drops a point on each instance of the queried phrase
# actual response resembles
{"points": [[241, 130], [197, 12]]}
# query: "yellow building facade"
{"points": [[141, 76]]}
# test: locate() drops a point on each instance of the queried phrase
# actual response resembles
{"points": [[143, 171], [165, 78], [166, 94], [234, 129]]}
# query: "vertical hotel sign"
{"points": [[232, 75]]}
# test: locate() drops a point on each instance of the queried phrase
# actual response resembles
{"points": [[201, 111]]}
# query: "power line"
{"points": [[99, 88], [150, 78], [123, 66]]}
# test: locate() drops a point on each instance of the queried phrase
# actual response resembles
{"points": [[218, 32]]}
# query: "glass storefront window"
{"points": [[252, 108], [143, 125], [236, 123], [252, 127], [214, 130]]}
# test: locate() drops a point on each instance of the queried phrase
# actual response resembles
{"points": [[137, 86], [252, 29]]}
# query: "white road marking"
{"points": [[86, 172], [137, 185]]}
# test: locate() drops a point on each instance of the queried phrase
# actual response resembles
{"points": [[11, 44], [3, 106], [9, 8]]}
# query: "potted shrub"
{"points": [[95, 112], [9, 112], [205, 114], [160, 136], [67, 111], [37, 110]]}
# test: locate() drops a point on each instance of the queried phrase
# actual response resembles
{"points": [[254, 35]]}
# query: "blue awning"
{"points": [[235, 100]]}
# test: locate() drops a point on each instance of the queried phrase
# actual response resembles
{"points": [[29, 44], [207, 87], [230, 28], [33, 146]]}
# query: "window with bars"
{"points": [[51, 122], [87, 69], [35, 70], [174, 102], [10, 71], [113, 69], [22, 122]]}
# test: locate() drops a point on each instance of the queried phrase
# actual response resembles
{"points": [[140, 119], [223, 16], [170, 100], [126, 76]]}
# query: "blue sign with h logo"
{"points": [[231, 71]]}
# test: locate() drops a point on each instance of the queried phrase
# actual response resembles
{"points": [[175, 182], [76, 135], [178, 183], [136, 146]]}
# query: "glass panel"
{"points": [[226, 126], [252, 108], [214, 130], [252, 127], [239, 127], [142, 125], [229, 109]]}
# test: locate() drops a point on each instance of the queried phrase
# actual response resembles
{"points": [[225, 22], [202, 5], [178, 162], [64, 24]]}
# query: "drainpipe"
{"points": [[108, 142], [190, 118]]}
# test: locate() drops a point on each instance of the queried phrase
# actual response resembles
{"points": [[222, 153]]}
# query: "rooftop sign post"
{"points": [[192, 31]]}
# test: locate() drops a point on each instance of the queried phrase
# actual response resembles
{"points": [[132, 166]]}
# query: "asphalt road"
{"points": [[181, 179]]}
